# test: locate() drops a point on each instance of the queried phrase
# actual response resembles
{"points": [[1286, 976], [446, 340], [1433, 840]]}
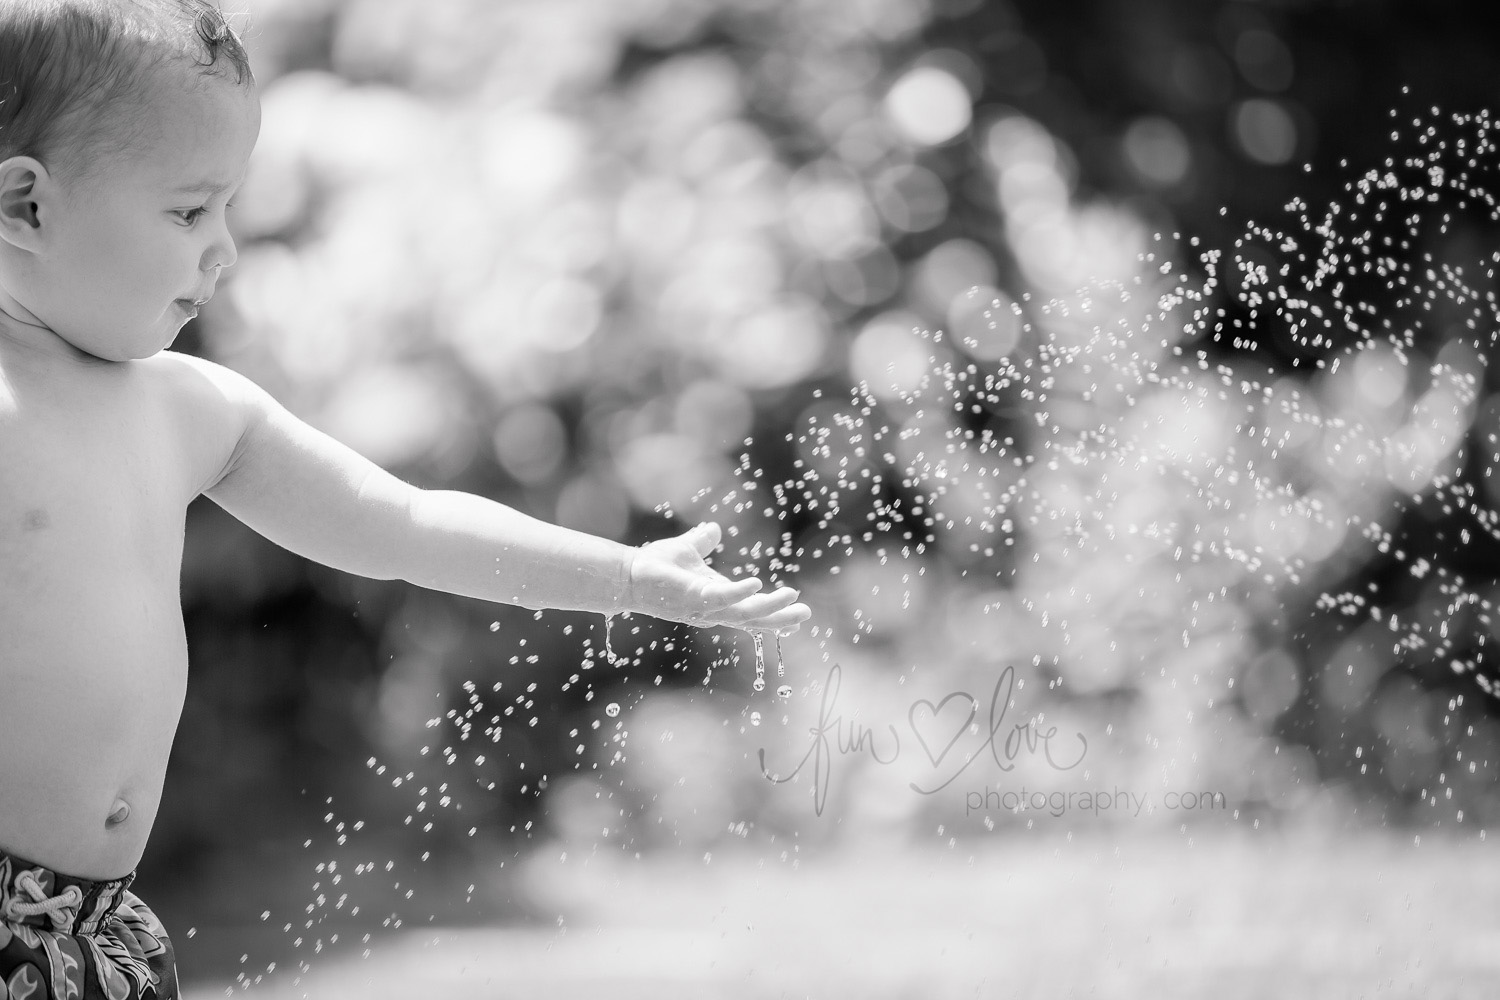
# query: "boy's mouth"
{"points": [[190, 306]]}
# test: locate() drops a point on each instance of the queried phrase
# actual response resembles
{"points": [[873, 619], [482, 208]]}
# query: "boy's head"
{"points": [[125, 125]]}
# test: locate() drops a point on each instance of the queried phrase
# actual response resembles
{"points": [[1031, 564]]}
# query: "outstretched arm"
{"points": [[307, 492]]}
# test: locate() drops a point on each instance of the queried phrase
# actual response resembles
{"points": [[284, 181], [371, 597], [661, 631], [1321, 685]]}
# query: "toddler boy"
{"points": [[125, 128]]}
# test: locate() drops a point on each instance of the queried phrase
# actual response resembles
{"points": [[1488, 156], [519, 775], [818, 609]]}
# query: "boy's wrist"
{"points": [[625, 588]]}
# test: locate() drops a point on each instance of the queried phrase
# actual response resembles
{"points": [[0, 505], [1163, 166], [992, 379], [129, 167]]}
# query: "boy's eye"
{"points": [[189, 215]]}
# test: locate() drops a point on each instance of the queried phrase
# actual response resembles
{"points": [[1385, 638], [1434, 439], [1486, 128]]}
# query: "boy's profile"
{"points": [[125, 129]]}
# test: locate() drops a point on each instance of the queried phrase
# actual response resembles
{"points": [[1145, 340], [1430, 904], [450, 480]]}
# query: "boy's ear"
{"points": [[22, 179]]}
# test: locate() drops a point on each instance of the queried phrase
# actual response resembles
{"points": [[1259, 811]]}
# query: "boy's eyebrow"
{"points": [[206, 187]]}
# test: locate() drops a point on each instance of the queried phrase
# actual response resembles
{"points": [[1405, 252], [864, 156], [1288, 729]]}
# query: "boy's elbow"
{"points": [[392, 547]]}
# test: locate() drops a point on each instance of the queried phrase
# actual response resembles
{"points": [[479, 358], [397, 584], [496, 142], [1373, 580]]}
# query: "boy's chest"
{"points": [[95, 466]]}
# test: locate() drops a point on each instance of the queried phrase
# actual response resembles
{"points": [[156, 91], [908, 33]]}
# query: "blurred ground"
{"points": [[1228, 915]]}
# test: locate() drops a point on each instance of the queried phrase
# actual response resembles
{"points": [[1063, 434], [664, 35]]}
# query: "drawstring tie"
{"points": [[41, 902]]}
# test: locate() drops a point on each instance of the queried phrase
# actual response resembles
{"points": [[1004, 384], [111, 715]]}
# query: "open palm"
{"points": [[671, 579]]}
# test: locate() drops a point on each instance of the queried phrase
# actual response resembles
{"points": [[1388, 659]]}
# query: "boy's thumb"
{"points": [[705, 537]]}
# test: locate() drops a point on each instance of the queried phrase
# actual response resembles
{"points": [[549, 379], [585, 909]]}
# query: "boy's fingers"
{"points": [[705, 538], [786, 620], [718, 596], [759, 606]]}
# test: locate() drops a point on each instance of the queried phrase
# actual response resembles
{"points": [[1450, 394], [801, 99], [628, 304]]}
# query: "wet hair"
{"points": [[75, 75]]}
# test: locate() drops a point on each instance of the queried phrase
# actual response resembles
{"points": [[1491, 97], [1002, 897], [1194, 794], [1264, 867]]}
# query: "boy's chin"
{"points": [[126, 349], [119, 357], [148, 343]]}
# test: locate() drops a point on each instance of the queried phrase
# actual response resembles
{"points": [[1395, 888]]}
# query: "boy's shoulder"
{"points": [[184, 368], [209, 403], [199, 383]]}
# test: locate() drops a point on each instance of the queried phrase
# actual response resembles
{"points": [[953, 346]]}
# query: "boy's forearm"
{"points": [[465, 544]]}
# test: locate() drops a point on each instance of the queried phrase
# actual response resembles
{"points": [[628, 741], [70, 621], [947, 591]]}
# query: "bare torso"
{"points": [[98, 462]]}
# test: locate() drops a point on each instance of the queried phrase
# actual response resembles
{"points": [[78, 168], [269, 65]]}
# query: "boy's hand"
{"points": [[671, 579]]}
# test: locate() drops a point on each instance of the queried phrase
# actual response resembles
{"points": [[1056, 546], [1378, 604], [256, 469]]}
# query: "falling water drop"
{"points": [[760, 661]]}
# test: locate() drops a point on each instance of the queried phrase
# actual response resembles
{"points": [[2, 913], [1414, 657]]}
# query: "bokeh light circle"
{"points": [[929, 106]]}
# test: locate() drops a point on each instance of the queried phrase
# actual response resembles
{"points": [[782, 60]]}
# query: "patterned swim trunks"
{"points": [[65, 938]]}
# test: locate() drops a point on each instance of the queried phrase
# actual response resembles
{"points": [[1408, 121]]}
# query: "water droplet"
{"points": [[612, 709], [760, 661]]}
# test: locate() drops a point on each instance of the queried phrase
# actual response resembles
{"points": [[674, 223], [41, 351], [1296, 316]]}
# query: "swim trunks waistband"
{"points": [[68, 904]]}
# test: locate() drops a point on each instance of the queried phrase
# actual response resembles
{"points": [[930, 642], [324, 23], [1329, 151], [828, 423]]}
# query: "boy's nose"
{"points": [[223, 253]]}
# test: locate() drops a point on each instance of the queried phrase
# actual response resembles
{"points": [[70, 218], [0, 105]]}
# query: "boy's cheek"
{"points": [[110, 250]]}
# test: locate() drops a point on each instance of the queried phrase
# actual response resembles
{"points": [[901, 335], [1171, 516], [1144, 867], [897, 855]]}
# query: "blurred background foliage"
{"points": [[610, 261]]}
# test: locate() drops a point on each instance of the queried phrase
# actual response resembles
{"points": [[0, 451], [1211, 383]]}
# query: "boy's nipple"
{"points": [[119, 814]]}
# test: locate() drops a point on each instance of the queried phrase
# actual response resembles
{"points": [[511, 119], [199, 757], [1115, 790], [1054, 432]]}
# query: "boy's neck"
{"points": [[35, 338]]}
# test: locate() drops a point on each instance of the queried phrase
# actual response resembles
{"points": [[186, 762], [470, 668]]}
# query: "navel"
{"points": [[119, 814]]}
